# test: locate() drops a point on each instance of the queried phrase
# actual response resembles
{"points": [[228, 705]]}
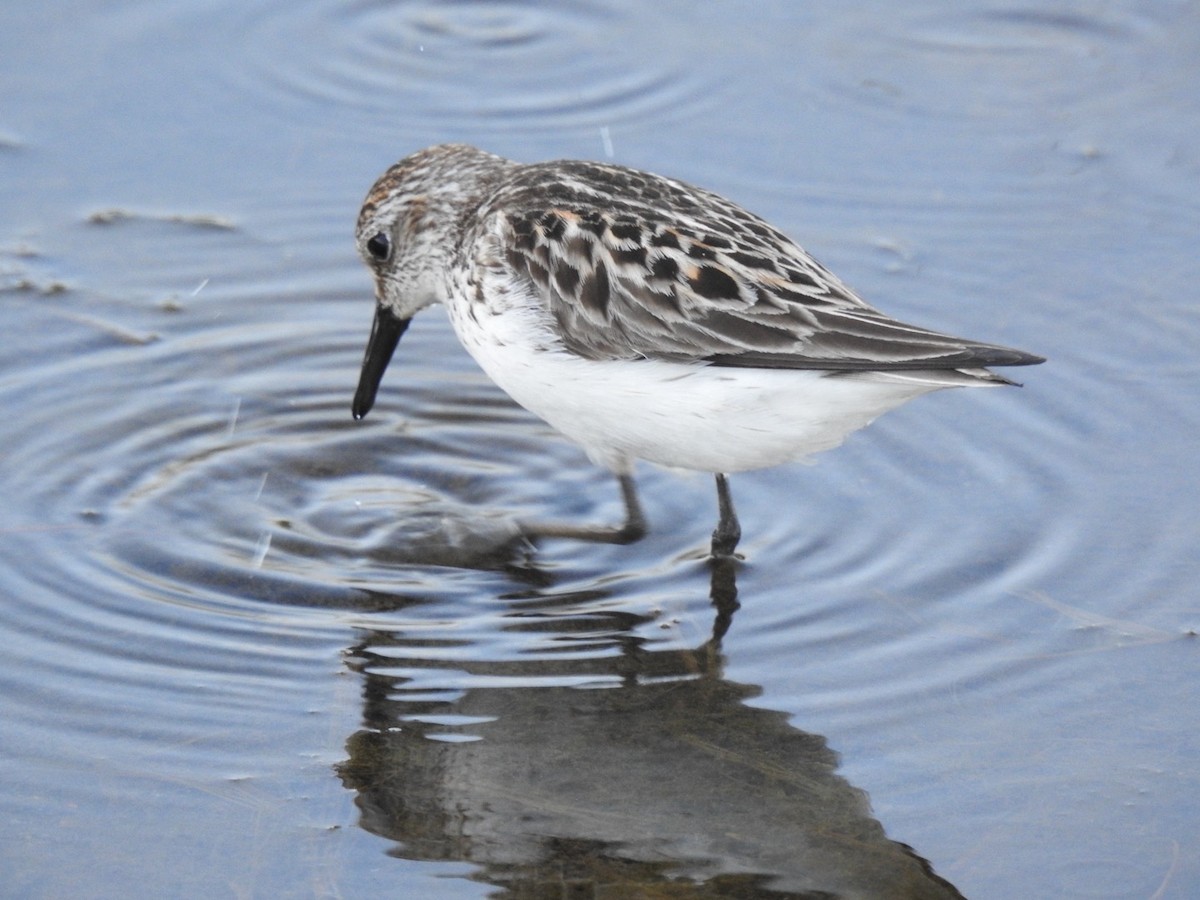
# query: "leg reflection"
{"points": [[723, 593]]}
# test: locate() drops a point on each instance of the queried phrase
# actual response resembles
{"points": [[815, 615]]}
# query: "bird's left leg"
{"points": [[633, 529], [728, 532]]}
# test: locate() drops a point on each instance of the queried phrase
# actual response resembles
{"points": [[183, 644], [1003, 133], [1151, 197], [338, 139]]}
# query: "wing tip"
{"points": [[993, 355]]}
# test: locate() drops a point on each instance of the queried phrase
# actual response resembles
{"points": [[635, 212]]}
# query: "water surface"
{"points": [[252, 647]]}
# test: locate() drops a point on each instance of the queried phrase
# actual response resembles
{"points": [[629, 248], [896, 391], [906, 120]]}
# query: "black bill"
{"points": [[385, 334]]}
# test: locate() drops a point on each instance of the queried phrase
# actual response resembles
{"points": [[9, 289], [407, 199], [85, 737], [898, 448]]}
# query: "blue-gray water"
{"points": [[248, 648]]}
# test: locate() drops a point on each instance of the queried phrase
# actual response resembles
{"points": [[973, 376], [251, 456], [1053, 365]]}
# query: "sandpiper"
{"points": [[642, 317]]}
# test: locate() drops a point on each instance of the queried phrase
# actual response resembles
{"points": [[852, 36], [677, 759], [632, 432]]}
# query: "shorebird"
{"points": [[642, 317]]}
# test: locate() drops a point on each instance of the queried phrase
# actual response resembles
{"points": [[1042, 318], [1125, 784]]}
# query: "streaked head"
{"points": [[408, 231]]}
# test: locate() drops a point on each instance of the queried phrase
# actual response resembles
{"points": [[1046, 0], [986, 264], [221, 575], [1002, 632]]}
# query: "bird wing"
{"points": [[622, 278]]}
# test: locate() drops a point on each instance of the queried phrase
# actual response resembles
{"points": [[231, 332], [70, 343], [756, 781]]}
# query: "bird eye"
{"points": [[379, 247]]}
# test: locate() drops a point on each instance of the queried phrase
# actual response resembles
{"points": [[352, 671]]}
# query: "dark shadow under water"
{"points": [[621, 772]]}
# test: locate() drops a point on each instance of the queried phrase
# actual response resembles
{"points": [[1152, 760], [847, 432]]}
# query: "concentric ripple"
{"points": [[220, 471], [465, 67]]}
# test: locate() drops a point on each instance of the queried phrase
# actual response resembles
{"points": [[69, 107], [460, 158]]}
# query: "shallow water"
{"points": [[252, 647]]}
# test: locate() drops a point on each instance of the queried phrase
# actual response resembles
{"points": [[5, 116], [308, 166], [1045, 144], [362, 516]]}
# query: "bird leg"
{"points": [[728, 532], [633, 529]]}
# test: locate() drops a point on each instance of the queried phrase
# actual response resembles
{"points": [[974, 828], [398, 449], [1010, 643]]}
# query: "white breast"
{"points": [[685, 415]]}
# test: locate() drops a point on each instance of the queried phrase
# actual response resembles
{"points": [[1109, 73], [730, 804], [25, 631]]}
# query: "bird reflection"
{"points": [[619, 771]]}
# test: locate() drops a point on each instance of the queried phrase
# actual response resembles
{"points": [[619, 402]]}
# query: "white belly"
{"points": [[690, 416]]}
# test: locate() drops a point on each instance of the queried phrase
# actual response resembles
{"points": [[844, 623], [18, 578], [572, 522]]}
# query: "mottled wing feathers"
{"points": [[623, 278]]}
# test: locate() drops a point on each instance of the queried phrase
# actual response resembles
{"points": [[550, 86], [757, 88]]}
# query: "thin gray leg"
{"points": [[634, 528], [728, 532]]}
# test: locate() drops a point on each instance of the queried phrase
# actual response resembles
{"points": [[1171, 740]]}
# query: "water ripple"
{"points": [[462, 66]]}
